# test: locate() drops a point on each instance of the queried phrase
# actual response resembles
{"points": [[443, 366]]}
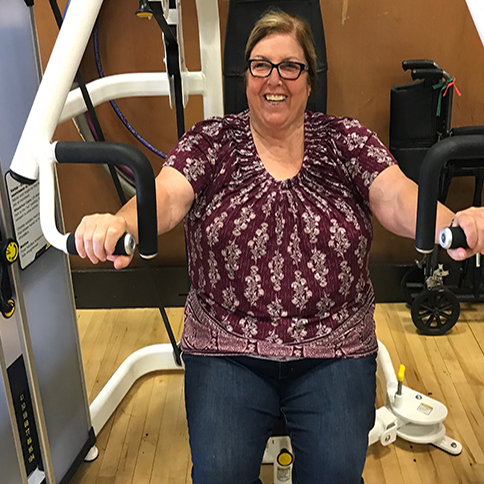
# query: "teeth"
{"points": [[275, 98]]}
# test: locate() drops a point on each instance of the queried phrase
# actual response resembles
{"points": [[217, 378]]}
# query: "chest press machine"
{"points": [[41, 332]]}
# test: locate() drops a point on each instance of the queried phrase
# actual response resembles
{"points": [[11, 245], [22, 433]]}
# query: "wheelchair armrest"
{"points": [[467, 130]]}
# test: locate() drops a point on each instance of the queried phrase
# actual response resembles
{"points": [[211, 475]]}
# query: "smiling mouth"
{"points": [[275, 99]]}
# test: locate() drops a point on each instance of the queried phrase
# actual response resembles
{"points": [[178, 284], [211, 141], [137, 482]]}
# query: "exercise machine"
{"points": [[406, 413], [42, 385]]}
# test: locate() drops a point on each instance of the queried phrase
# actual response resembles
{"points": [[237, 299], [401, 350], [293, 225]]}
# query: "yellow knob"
{"points": [[144, 14], [401, 373], [11, 252], [10, 313], [284, 458]]}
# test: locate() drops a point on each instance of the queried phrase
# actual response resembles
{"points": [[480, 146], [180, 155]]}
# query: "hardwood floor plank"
{"points": [[172, 455], [388, 462], [132, 443]]}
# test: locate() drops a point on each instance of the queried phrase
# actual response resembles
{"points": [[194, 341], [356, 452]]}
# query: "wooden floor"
{"points": [[146, 440]]}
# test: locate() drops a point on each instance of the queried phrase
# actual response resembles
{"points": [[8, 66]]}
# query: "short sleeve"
{"points": [[364, 155], [195, 154]]}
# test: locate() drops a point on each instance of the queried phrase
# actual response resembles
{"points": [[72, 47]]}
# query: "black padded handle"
{"points": [[419, 64], [453, 238], [431, 74], [126, 245], [121, 154], [468, 130], [457, 148]]}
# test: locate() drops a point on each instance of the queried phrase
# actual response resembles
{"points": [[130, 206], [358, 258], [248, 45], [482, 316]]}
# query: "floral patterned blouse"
{"points": [[279, 269]]}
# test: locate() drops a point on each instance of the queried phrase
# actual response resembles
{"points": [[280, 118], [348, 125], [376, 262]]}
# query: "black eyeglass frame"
{"points": [[302, 67]]}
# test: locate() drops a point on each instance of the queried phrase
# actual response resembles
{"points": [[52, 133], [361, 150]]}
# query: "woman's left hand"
{"points": [[471, 221]]}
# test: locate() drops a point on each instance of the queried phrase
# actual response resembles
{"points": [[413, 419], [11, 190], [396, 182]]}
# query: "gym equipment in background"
{"points": [[421, 116]]}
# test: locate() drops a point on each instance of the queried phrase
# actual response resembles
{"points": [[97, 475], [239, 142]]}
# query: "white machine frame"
{"points": [[411, 415]]}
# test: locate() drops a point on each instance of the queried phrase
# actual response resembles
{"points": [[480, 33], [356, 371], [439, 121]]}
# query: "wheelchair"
{"points": [[421, 115]]}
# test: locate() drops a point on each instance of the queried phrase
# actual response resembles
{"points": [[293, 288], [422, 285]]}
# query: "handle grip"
{"points": [[419, 64], [427, 74], [125, 245], [453, 238]]}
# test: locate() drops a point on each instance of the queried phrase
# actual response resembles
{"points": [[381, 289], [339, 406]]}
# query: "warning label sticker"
{"points": [[24, 205]]}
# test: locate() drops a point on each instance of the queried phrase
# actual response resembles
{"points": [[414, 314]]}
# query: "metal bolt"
{"points": [[453, 445], [418, 397], [387, 438]]}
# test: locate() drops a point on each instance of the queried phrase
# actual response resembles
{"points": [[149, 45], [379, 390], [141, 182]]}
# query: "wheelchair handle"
{"points": [[420, 64], [424, 68], [453, 238], [427, 74], [126, 245]]}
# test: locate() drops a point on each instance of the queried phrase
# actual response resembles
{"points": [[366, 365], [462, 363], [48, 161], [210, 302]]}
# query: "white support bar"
{"points": [[476, 8], [128, 85], [211, 56], [141, 362], [47, 203], [56, 83], [386, 372], [34, 146]]}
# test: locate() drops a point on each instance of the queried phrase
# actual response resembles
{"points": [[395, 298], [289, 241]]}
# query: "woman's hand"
{"points": [[471, 221], [96, 238]]}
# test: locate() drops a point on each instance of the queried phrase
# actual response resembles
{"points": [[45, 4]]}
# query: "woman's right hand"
{"points": [[96, 238]]}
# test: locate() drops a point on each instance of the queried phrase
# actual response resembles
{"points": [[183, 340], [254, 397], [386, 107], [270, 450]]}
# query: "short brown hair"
{"points": [[276, 21]]}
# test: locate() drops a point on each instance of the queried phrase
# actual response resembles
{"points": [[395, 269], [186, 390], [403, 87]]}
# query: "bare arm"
{"points": [[174, 197], [97, 234], [393, 201]]}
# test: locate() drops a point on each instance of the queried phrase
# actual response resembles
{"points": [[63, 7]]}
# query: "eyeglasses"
{"points": [[288, 70]]}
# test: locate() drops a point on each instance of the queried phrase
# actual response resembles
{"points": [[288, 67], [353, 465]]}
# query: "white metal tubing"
{"points": [[210, 56], [47, 205], [376, 432], [146, 360], [128, 85], [385, 369], [476, 9], [56, 83]]}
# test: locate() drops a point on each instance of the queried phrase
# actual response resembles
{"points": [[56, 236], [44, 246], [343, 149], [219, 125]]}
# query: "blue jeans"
{"points": [[232, 404]]}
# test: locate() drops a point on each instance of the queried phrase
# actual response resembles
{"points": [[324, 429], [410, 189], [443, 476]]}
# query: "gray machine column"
{"points": [[41, 338], [11, 462]]}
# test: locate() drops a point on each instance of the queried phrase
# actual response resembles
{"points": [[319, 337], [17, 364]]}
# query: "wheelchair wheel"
{"points": [[435, 311], [412, 284]]}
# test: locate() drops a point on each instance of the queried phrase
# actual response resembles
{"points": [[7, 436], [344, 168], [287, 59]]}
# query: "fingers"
{"points": [[471, 221], [120, 261], [97, 235], [460, 254]]}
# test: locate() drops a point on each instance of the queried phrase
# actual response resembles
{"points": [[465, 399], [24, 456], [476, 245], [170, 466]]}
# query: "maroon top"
{"points": [[279, 269]]}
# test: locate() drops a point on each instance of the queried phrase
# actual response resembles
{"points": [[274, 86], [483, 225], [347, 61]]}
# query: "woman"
{"points": [[278, 206]]}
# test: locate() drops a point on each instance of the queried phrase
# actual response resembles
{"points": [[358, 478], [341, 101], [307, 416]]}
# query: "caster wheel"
{"points": [[435, 311], [413, 282]]}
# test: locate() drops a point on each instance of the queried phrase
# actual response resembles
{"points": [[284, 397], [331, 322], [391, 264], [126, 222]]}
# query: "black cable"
{"points": [[172, 64], [164, 316], [173, 70], [90, 108]]}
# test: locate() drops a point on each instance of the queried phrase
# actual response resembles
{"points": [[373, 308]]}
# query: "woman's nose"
{"points": [[274, 76]]}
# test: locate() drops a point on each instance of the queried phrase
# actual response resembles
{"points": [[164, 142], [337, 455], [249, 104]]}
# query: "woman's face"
{"points": [[275, 102]]}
